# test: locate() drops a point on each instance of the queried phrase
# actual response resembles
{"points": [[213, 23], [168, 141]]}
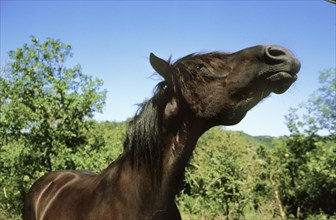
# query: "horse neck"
{"points": [[178, 152], [180, 134]]}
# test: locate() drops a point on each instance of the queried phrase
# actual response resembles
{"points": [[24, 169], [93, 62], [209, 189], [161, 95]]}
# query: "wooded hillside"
{"points": [[231, 175]]}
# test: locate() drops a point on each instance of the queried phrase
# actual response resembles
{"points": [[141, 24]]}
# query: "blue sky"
{"points": [[112, 41]]}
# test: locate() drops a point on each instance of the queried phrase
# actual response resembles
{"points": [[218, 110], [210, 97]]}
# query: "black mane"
{"points": [[144, 134]]}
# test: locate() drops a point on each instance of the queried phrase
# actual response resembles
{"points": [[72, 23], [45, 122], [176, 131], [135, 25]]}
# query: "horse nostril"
{"points": [[276, 54], [275, 51]]}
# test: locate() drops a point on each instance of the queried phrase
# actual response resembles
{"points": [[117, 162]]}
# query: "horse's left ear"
{"points": [[160, 66]]}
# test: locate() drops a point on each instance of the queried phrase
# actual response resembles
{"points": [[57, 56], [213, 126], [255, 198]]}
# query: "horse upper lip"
{"points": [[288, 72], [291, 68]]}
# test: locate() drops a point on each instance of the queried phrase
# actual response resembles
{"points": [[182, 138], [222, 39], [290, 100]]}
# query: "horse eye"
{"points": [[199, 66]]}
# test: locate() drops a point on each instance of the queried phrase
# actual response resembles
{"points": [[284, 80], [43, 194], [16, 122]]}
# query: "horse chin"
{"points": [[280, 89], [232, 120], [234, 116]]}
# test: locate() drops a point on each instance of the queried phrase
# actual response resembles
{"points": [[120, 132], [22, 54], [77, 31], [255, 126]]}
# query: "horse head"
{"points": [[221, 88]]}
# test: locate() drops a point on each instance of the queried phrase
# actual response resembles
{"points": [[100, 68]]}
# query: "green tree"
{"points": [[45, 115], [310, 186], [218, 183], [318, 114], [269, 177]]}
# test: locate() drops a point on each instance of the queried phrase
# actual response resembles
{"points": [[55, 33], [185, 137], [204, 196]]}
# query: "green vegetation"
{"points": [[45, 117], [46, 123]]}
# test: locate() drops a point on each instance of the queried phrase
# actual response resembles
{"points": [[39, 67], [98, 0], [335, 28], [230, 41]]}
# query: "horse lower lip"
{"points": [[281, 81], [281, 76]]}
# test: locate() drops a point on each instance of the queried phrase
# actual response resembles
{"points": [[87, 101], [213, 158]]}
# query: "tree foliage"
{"points": [[318, 114], [45, 112], [222, 187], [38, 93], [310, 186], [311, 167]]}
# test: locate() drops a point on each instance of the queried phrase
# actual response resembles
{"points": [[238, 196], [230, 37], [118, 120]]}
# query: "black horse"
{"points": [[199, 91]]}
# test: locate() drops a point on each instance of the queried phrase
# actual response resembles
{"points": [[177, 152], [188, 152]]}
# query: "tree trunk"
{"points": [[278, 201]]}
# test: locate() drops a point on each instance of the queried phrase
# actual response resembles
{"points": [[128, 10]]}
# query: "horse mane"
{"points": [[144, 136]]}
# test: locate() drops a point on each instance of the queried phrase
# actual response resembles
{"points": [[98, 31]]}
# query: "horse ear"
{"points": [[160, 66]]}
